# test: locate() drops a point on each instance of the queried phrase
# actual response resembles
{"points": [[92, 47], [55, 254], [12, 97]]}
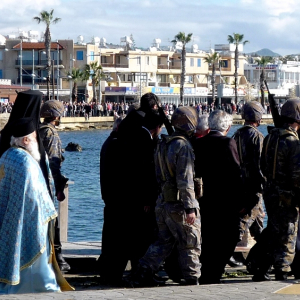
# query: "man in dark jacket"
{"points": [[137, 186], [280, 164], [217, 163], [108, 260], [249, 142]]}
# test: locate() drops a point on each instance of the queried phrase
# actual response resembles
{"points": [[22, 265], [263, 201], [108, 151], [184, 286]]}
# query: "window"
{"points": [[131, 77], [1, 74], [148, 60], [92, 55], [199, 62], [121, 77], [1, 55], [191, 62], [223, 63], [138, 60], [159, 60], [79, 55]]}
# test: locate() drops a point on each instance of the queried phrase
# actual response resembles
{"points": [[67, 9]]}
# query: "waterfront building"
{"points": [[127, 72], [282, 79]]}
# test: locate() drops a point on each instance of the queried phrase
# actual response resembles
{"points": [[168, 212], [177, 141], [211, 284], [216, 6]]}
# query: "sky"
{"points": [[272, 24]]}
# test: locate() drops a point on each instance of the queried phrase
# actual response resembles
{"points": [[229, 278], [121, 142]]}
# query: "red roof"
{"points": [[6, 87], [37, 46]]}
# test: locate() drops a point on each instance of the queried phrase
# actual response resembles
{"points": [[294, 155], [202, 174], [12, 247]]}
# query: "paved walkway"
{"points": [[232, 290], [237, 285]]}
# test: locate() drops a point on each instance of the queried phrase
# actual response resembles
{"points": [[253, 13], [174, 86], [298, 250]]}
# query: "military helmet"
{"points": [[52, 108], [252, 111], [185, 118], [291, 109]]}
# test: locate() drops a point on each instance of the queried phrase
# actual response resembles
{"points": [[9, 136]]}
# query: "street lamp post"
{"points": [[71, 67], [33, 75], [21, 60], [57, 79], [140, 61]]}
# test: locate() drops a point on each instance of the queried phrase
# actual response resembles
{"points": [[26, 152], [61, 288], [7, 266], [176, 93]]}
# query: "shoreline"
{"points": [[80, 124]]}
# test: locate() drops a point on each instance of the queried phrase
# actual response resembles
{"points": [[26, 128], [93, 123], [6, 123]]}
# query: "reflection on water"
{"points": [[85, 203]]}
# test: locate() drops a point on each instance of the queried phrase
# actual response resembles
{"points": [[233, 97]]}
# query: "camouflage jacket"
{"points": [[280, 163], [52, 145], [249, 142], [174, 165]]}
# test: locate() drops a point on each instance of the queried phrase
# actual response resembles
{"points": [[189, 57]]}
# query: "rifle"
{"points": [[166, 121], [274, 108]]}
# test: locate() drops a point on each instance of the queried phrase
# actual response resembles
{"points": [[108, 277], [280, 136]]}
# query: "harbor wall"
{"points": [[80, 123]]}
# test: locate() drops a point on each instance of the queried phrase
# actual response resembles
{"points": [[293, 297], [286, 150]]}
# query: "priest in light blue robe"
{"points": [[26, 209]]}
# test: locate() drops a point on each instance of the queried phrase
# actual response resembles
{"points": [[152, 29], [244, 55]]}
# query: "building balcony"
{"points": [[36, 62], [122, 66], [162, 66], [108, 65]]}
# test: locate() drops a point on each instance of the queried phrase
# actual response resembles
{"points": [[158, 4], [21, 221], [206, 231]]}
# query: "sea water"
{"points": [[82, 168]]}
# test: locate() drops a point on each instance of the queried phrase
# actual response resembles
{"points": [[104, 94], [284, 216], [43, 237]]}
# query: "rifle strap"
{"points": [[160, 163], [166, 157]]}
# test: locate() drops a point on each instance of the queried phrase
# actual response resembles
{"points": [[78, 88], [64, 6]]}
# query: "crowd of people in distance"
{"points": [[5, 108]]}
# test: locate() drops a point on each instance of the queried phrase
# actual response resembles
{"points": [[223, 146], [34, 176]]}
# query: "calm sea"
{"points": [[85, 202]]}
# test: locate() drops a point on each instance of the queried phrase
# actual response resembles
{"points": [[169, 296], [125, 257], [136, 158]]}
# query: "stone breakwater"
{"points": [[80, 123]]}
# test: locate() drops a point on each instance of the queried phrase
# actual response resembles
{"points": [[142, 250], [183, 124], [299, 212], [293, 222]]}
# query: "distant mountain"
{"points": [[265, 52]]}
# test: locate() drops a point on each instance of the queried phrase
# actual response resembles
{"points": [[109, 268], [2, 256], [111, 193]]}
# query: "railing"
{"points": [[29, 62], [162, 66], [63, 214], [108, 65], [122, 66]]}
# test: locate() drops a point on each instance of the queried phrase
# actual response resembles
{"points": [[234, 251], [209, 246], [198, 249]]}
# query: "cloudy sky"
{"points": [[272, 24]]}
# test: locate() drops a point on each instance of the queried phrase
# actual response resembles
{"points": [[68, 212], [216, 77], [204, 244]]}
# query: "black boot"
{"points": [[258, 276], [281, 275], [190, 281], [234, 263], [63, 265], [143, 277]]}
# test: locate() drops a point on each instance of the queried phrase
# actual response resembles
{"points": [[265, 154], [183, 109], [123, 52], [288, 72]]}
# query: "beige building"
{"points": [[127, 73]]}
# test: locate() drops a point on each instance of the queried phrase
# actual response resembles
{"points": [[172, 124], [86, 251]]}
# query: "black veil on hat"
{"points": [[27, 105]]}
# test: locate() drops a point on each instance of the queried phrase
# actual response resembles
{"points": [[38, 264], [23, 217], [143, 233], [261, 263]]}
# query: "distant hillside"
{"points": [[265, 52]]}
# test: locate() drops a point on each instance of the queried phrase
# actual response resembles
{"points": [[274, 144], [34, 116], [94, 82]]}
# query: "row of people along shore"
{"points": [[178, 197], [106, 109]]}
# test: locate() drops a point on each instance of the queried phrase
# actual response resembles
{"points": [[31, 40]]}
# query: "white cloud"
{"points": [[277, 8], [266, 23]]}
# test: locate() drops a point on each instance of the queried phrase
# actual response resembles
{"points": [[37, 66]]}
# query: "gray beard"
{"points": [[33, 149]]}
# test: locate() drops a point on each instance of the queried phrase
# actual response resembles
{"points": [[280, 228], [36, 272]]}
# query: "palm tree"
{"points": [[184, 39], [75, 75], [93, 71], [262, 62], [236, 39], [47, 18], [213, 59]]}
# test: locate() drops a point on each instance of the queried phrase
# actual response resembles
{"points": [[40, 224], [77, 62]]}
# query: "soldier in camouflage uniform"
{"points": [[249, 142], [280, 164], [177, 210], [52, 111]]}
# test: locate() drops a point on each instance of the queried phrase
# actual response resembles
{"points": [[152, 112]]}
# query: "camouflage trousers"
{"points": [[253, 221], [170, 217], [276, 244]]}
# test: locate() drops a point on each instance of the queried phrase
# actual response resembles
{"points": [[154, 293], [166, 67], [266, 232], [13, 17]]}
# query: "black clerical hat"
{"points": [[23, 127]]}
